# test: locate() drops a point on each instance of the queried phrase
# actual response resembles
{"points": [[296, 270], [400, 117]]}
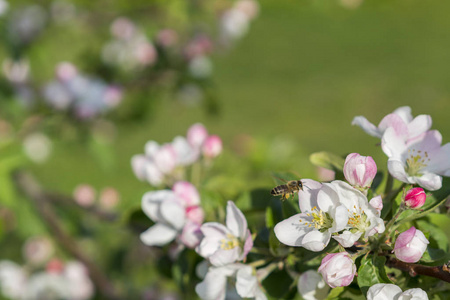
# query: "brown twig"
{"points": [[28, 185], [440, 272]]}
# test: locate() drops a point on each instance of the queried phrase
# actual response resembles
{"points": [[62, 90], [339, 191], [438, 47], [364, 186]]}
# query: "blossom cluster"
{"points": [[328, 210], [414, 152], [84, 96], [179, 217], [164, 164], [44, 276], [129, 49]]}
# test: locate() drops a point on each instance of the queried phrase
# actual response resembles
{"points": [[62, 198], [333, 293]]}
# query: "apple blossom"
{"points": [[363, 217], [410, 245], [415, 198], [421, 160], [400, 120], [328, 209], [212, 146], [197, 134], [223, 245], [37, 250], [215, 285], [338, 269], [13, 278], [359, 170], [413, 294], [171, 211], [383, 291], [311, 286], [321, 215]]}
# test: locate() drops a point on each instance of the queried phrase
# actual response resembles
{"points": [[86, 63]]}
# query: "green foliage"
{"points": [[371, 272]]}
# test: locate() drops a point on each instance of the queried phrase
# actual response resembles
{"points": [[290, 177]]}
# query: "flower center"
{"points": [[229, 243], [357, 219], [318, 219], [416, 161]]}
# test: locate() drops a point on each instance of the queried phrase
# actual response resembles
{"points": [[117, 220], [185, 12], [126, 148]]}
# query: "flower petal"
{"points": [[316, 240], [246, 282], [307, 198], [213, 233], [419, 125], [187, 191], [173, 213], [365, 125], [392, 144], [290, 232], [213, 287], [397, 123], [347, 239], [223, 257], [430, 181], [236, 221], [158, 235], [151, 202], [397, 170]]}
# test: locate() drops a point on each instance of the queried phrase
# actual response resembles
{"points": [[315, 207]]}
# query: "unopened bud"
{"points": [[415, 198]]}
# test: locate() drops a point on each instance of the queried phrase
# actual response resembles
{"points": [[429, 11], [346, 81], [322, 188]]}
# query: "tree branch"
{"points": [[440, 272], [28, 185]]}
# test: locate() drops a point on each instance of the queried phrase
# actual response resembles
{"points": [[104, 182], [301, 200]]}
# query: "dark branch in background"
{"points": [[28, 185], [440, 272]]}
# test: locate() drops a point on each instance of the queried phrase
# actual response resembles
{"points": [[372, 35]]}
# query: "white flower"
{"points": [[326, 209], [215, 284], [13, 278], [420, 161], [223, 245], [400, 120], [383, 291], [322, 214], [80, 285], [171, 211], [311, 286], [363, 219]]}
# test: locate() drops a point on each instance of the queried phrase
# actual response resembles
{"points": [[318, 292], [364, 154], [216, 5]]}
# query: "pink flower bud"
{"points": [[186, 191], [38, 250], [66, 71], [195, 214], [410, 245], [415, 198], [197, 134], [109, 198], [55, 266], [212, 146], [338, 269], [84, 195], [359, 170]]}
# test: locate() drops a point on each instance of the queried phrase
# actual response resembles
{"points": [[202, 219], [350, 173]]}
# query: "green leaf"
{"points": [[335, 293], [327, 160], [380, 263], [367, 274]]}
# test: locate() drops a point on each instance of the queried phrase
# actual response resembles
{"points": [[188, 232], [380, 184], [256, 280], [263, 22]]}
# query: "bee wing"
{"points": [[280, 180]]}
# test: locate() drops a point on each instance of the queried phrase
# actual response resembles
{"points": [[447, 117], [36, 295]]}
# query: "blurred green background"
{"points": [[289, 88], [292, 86]]}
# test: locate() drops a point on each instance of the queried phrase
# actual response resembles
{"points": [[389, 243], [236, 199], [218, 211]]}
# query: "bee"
{"points": [[287, 190]]}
